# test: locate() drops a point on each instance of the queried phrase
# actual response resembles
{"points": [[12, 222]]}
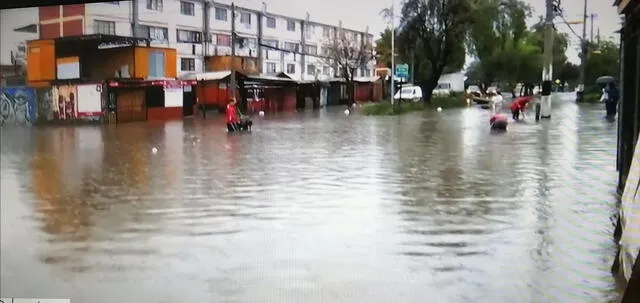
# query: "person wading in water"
{"points": [[611, 101], [233, 123]]}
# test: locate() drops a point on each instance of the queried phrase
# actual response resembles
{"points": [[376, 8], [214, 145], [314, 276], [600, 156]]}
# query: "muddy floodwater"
{"points": [[313, 207]]}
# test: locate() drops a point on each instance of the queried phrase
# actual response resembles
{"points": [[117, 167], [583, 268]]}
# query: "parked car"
{"points": [[492, 90], [412, 93], [443, 89], [474, 91]]}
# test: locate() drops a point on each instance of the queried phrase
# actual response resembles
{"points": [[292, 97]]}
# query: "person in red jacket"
{"points": [[233, 123], [518, 105]]}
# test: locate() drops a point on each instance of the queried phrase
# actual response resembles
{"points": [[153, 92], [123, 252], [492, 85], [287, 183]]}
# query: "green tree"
{"points": [[569, 73], [602, 60], [436, 31], [560, 43], [383, 48], [496, 39]]}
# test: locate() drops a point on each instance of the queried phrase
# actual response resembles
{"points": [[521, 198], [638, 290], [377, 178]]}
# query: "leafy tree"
{"points": [[602, 60], [569, 73], [436, 30], [496, 39], [560, 43], [383, 48]]}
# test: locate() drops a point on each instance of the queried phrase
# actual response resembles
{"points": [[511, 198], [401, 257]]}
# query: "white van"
{"points": [[412, 93]]}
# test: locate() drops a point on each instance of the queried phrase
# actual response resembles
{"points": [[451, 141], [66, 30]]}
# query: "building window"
{"points": [[187, 64], [188, 36], [154, 5], [221, 14], [271, 43], [271, 67], [223, 40], [187, 8], [367, 73], [158, 33], [271, 22], [291, 25], [290, 46], [309, 30], [311, 49], [311, 69], [104, 27], [250, 43], [291, 68], [245, 18], [326, 32], [325, 51], [326, 70], [154, 33]]}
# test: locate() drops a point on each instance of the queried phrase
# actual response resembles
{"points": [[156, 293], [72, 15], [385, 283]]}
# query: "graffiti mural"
{"points": [[65, 105], [44, 104], [17, 106]]}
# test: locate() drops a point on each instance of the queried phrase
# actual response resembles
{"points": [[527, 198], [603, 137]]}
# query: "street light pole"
{"points": [[393, 53], [583, 46]]}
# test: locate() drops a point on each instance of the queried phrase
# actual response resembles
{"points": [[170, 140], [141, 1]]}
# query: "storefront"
{"points": [[139, 100]]}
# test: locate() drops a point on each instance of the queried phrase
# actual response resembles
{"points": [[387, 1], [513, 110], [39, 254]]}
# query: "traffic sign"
{"points": [[402, 70]]}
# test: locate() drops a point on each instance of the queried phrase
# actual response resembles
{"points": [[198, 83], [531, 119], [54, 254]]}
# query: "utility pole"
{"points": [[592, 16], [393, 53], [233, 50], [547, 70], [583, 46], [261, 16]]}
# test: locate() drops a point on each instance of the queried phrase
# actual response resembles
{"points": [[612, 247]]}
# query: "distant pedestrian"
{"points": [[611, 103], [496, 102], [518, 105]]}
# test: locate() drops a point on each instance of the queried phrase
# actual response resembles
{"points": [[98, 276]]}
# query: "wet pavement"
{"points": [[313, 207]]}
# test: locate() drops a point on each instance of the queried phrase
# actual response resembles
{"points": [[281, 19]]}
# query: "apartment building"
{"points": [[201, 29]]}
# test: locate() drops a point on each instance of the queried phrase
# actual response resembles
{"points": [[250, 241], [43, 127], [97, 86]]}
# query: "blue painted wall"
{"points": [[18, 106]]}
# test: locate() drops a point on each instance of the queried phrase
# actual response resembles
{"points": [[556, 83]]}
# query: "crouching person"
{"points": [[245, 123], [498, 122]]}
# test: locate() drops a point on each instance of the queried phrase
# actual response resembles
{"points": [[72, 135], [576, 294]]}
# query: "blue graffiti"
{"points": [[17, 106]]}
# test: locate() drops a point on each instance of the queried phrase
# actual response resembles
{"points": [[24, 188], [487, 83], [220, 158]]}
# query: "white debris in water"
{"points": [[347, 112], [261, 113], [154, 150], [439, 109]]}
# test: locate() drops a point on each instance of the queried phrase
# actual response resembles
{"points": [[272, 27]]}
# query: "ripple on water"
{"points": [[313, 208]]}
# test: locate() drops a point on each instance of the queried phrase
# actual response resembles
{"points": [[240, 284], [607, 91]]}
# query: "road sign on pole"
{"points": [[402, 70]]}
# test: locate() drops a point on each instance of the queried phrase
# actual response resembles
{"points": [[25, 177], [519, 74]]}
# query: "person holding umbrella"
{"points": [[611, 103], [610, 95]]}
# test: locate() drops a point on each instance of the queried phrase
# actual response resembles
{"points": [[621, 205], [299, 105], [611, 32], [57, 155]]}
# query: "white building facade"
{"points": [[200, 28]]}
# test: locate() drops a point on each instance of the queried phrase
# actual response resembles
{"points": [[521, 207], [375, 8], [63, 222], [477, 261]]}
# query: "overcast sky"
{"points": [[358, 14]]}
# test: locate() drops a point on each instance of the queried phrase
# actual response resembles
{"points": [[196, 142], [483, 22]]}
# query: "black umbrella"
{"points": [[605, 80]]}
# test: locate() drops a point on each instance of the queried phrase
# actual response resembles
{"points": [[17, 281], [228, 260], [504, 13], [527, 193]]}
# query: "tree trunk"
{"points": [[350, 92], [432, 80]]}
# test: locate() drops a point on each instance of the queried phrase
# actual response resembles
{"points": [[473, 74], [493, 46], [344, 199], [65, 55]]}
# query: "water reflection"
{"points": [[314, 207]]}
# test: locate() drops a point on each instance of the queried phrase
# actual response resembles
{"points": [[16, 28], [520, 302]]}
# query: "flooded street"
{"points": [[313, 207]]}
